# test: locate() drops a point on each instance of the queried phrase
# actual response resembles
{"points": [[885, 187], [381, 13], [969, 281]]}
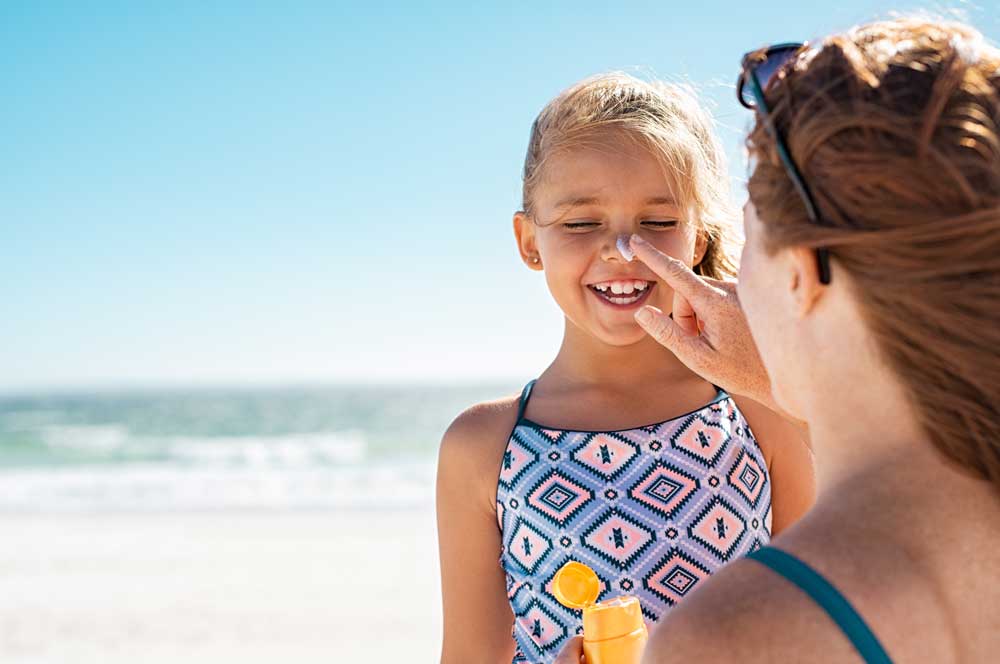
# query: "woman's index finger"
{"points": [[677, 275]]}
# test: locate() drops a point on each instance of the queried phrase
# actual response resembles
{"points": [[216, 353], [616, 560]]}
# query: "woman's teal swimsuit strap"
{"points": [[828, 598]]}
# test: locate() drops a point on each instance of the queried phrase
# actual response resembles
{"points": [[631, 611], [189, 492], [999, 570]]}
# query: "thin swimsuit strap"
{"points": [[828, 598], [525, 395]]}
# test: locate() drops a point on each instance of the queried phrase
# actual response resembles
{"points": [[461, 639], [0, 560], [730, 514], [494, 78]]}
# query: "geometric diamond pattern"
{"points": [[701, 439], [618, 538], [652, 510], [545, 628], [747, 477], [719, 527], [558, 498], [606, 454], [528, 546], [517, 460], [664, 488], [675, 576]]}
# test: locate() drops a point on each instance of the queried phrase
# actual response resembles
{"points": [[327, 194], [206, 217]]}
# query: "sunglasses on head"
{"points": [[759, 69]]}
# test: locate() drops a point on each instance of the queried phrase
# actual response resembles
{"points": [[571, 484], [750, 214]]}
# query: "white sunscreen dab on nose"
{"points": [[623, 247]]}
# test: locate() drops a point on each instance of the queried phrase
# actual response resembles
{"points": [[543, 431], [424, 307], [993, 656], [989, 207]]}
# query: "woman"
{"points": [[870, 282]]}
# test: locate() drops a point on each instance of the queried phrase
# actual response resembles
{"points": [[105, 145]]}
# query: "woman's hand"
{"points": [[572, 652], [707, 329]]}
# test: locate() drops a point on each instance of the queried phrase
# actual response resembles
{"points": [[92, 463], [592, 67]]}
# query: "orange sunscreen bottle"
{"points": [[613, 631]]}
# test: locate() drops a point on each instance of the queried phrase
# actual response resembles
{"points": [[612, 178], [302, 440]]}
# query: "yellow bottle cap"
{"points": [[575, 585]]}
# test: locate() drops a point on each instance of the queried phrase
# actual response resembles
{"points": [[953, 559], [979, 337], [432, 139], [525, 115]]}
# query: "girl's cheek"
{"points": [[677, 245]]}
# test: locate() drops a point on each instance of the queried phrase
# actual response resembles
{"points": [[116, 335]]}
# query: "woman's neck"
{"points": [[861, 427], [584, 359], [906, 483]]}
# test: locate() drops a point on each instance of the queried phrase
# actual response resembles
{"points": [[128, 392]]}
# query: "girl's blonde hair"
{"points": [[667, 120]]}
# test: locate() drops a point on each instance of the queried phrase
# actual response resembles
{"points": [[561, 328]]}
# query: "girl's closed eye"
{"points": [[581, 224], [657, 224], [586, 224]]}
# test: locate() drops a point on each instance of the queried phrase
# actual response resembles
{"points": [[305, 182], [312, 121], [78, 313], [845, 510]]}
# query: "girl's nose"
{"points": [[624, 248], [616, 247], [609, 248]]}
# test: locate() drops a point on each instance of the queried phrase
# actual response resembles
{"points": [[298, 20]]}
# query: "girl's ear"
{"points": [[700, 249], [524, 233]]}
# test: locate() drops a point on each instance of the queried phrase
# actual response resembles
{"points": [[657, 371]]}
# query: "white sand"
{"points": [[223, 587]]}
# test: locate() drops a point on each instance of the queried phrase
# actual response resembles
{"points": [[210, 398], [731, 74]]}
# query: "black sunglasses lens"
{"points": [[766, 69], [744, 93]]}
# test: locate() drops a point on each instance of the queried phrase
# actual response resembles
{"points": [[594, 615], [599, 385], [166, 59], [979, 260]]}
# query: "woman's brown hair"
{"points": [[895, 127]]}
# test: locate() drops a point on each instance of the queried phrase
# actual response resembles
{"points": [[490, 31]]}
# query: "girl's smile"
{"points": [[622, 294]]}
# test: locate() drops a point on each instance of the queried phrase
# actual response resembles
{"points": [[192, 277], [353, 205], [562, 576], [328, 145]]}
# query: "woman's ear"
{"points": [[524, 232], [805, 287]]}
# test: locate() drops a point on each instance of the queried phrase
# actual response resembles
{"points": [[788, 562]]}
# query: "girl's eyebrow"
{"points": [[576, 201]]}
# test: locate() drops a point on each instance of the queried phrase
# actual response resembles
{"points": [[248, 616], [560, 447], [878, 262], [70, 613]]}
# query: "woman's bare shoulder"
{"points": [[744, 613], [748, 613]]}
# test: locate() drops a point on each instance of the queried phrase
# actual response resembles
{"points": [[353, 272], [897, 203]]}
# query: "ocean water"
{"points": [[340, 448]]}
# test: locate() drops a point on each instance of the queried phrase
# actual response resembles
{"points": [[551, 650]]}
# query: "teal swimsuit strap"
{"points": [[828, 598], [525, 395]]}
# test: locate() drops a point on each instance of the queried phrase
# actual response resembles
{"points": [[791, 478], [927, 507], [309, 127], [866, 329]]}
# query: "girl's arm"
{"points": [[789, 463], [477, 615]]}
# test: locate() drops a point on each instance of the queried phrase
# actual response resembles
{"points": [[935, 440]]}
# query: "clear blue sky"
{"points": [[255, 192]]}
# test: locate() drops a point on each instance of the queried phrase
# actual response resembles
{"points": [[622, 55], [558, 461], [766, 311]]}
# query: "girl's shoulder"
{"points": [[472, 448], [789, 459], [766, 425], [775, 435]]}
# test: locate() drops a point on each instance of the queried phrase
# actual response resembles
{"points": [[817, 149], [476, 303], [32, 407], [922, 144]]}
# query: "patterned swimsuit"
{"points": [[653, 510]]}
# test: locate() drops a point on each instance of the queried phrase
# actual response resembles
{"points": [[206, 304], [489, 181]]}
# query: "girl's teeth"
{"points": [[622, 287], [622, 292]]}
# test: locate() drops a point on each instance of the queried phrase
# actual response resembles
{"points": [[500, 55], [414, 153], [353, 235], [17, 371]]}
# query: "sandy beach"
{"points": [[220, 587]]}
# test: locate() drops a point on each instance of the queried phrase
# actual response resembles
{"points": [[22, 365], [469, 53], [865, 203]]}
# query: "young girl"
{"points": [[617, 456]]}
